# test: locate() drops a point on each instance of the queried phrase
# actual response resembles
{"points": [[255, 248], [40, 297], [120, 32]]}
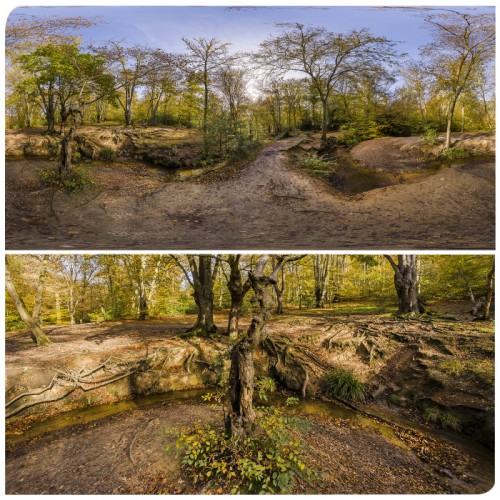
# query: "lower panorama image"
{"points": [[228, 374]]}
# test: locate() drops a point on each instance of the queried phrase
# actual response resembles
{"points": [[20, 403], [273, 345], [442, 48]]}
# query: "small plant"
{"points": [[268, 461], [313, 162], [107, 154], [455, 153], [432, 414], [447, 420], [77, 179], [343, 384], [264, 386], [430, 137], [450, 421], [453, 367]]}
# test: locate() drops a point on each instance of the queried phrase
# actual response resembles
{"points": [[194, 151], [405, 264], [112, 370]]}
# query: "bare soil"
{"points": [[131, 453], [269, 204], [126, 453]]}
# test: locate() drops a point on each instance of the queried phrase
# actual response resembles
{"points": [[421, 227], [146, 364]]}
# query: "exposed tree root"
{"points": [[79, 379]]}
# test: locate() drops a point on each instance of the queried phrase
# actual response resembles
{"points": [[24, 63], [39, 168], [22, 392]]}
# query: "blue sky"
{"points": [[164, 27]]}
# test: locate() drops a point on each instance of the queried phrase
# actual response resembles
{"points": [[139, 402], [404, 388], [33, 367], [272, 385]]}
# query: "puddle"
{"points": [[352, 178]]}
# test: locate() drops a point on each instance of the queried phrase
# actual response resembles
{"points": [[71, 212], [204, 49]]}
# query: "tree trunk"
{"points": [[324, 122], [66, 152], [240, 421], [37, 333], [143, 308], [203, 284], [406, 284], [489, 292], [37, 308], [449, 119], [237, 290]]}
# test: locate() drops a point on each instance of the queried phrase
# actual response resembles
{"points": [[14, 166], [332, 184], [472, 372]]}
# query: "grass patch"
{"points": [[76, 180], [453, 367], [343, 383], [108, 154], [455, 153], [318, 165], [446, 420]]}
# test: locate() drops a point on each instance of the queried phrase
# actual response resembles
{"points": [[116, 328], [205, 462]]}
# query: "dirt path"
{"points": [[126, 453], [268, 205]]}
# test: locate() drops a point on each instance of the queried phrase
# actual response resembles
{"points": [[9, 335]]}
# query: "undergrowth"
{"points": [[77, 179], [269, 461], [343, 384]]}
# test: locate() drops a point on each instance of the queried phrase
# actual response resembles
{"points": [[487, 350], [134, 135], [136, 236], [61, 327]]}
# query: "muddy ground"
{"points": [[269, 204]]}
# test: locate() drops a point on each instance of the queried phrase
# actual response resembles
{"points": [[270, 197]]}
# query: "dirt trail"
{"points": [[268, 205]]}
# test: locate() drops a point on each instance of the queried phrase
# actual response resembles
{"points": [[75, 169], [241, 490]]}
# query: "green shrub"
{"points": [[312, 161], [77, 179], [357, 131], [107, 154], [264, 386], [266, 462], [450, 421], [433, 415], [343, 384], [430, 137], [455, 153]]}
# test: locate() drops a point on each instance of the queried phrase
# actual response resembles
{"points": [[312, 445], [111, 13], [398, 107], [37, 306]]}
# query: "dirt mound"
{"points": [[402, 153]]}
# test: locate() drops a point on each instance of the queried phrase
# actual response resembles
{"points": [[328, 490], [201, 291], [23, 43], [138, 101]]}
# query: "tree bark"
{"points": [[324, 122], [489, 292], [237, 290], [37, 308], [240, 421], [406, 283], [37, 333]]}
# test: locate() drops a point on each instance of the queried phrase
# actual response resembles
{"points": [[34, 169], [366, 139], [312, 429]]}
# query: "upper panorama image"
{"points": [[250, 128]]}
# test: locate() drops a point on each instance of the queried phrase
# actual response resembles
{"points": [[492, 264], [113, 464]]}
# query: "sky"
{"points": [[244, 27]]}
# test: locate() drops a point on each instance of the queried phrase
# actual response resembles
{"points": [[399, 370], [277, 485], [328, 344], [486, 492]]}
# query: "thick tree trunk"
{"points": [[237, 290], [66, 152], [318, 295], [406, 284], [240, 421], [203, 285], [143, 308], [489, 292], [38, 334]]}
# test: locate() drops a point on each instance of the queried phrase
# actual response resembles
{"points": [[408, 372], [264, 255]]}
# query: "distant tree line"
{"points": [[304, 78], [70, 289]]}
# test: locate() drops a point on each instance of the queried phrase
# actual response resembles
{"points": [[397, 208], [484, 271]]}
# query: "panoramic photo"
{"points": [[228, 373], [250, 128]]}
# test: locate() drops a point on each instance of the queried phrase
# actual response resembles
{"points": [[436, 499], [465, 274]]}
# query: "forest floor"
{"points": [[446, 360], [267, 204]]}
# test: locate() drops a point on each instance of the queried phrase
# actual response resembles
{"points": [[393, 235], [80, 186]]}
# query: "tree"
{"points": [[232, 83], [325, 57], [321, 268], [32, 321], [466, 44], [129, 66], [200, 274], [143, 271], [489, 291], [406, 283], [204, 58], [240, 420], [237, 289]]}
